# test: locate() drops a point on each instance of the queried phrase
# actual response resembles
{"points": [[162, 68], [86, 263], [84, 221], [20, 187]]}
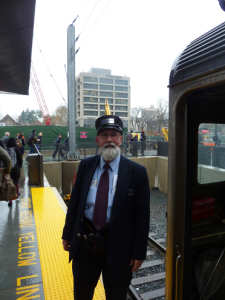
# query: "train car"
{"points": [[195, 258]]}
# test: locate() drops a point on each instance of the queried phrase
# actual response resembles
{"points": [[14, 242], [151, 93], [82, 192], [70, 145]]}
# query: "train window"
{"points": [[211, 153]]}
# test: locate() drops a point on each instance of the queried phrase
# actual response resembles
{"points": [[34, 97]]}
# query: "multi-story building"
{"points": [[94, 88], [149, 112], [154, 119]]}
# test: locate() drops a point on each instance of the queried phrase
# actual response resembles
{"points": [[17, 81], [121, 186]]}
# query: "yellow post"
{"points": [[107, 108]]}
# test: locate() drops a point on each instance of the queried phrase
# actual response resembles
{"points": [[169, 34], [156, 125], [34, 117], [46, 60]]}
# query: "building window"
{"points": [[90, 86], [90, 99], [103, 107], [90, 79], [121, 101], [102, 100], [106, 87], [121, 88], [89, 122], [90, 106], [106, 80], [120, 114], [124, 108], [121, 82], [106, 94], [121, 95], [90, 93], [90, 113]]}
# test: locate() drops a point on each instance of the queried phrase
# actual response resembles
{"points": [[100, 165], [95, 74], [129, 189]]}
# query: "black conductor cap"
{"points": [[109, 121]]}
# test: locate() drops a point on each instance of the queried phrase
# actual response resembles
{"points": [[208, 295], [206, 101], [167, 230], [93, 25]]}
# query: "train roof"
{"points": [[16, 32], [203, 55]]}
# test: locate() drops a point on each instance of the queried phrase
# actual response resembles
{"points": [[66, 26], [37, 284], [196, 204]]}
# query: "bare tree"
{"points": [[163, 114], [134, 119]]}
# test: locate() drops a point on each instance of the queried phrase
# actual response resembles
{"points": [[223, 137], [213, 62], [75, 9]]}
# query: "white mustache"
{"points": [[109, 144]]}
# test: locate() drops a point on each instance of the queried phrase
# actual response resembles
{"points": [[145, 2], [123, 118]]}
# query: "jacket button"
{"points": [[79, 235], [81, 220]]}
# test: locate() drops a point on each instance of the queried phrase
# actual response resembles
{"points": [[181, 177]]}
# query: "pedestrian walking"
{"points": [[17, 161], [57, 144], [31, 141], [39, 141], [5, 165], [5, 139], [142, 140], [127, 143], [20, 142]]}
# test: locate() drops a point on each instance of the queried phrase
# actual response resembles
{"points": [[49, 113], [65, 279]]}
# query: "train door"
{"points": [[195, 260]]}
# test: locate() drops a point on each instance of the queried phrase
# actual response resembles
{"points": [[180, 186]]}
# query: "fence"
{"points": [[84, 150], [211, 156]]}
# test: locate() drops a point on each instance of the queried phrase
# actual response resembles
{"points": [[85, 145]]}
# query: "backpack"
{"points": [[12, 154], [29, 140], [19, 143]]}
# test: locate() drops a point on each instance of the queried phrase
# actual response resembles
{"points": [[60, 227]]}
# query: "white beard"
{"points": [[109, 153]]}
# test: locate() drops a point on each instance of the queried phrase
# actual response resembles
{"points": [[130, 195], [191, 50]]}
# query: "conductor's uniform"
{"points": [[127, 220]]}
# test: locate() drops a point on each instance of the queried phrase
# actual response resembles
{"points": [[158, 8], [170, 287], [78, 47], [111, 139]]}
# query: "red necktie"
{"points": [[101, 201]]}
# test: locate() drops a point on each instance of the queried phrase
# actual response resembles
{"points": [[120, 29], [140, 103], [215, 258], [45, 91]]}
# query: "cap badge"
{"points": [[107, 121]]}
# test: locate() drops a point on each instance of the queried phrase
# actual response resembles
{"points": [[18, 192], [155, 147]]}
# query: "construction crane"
{"points": [[39, 95]]}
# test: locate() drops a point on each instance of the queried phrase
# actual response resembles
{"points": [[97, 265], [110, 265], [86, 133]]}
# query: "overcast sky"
{"points": [[139, 39]]}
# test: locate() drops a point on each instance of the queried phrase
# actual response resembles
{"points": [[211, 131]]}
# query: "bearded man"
{"points": [[107, 222]]}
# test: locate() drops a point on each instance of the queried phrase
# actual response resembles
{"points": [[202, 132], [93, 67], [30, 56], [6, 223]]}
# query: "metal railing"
{"points": [[51, 152]]}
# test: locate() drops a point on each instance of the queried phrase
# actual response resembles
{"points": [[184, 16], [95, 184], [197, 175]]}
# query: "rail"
{"points": [[146, 280], [157, 246]]}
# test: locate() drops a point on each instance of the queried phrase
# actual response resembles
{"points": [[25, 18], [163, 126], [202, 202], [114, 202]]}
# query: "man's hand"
{"points": [[66, 245], [136, 264]]}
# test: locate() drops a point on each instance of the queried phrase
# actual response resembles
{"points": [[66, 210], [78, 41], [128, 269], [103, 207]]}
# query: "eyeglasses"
{"points": [[113, 136]]}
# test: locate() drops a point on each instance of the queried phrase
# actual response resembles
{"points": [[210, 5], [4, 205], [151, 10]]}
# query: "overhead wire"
{"points": [[95, 23], [50, 72], [80, 11], [89, 16]]}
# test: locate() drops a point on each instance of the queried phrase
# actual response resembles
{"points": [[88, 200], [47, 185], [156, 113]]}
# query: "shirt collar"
{"points": [[113, 163]]}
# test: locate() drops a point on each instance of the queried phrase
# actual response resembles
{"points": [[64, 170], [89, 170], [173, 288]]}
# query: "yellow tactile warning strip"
{"points": [[56, 272]]}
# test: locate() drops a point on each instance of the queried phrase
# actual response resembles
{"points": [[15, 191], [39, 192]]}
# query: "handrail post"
{"points": [[84, 150]]}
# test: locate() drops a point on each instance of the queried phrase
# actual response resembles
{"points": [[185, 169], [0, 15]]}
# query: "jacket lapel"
{"points": [[88, 176], [123, 182]]}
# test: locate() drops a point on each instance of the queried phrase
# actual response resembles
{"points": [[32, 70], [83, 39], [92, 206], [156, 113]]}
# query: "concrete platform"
{"points": [[33, 264]]}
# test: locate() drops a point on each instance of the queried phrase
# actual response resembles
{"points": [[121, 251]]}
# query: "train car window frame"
{"points": [[211, 153]]}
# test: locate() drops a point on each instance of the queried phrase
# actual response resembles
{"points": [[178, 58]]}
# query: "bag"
{"points": [[12, 154], [55, 143], [29, 140], [19, 143], [8, 190], [95, 242]]}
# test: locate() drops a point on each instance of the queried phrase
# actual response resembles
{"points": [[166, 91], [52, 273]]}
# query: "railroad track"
{"points": [[148, 282]]}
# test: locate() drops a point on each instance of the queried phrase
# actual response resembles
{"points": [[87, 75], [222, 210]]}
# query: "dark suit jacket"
{"points": [[129, 222]]}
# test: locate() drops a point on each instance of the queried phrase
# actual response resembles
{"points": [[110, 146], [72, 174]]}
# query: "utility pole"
{"points": [[71, 91]]}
